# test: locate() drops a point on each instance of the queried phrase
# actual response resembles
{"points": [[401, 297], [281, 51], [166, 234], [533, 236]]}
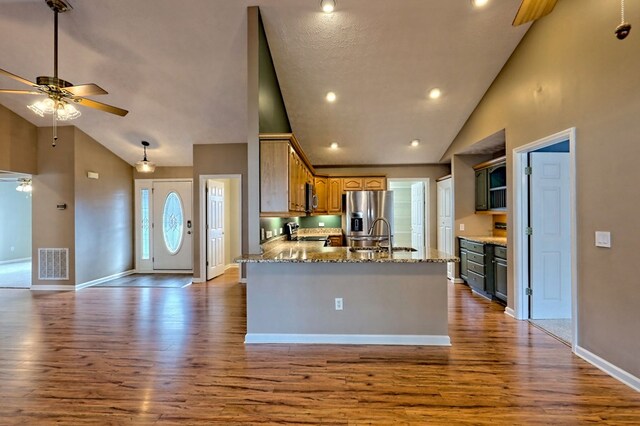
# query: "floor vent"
{"points": [[53, 264]]}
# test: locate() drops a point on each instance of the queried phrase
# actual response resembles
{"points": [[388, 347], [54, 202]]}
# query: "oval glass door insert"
{"points": [[172, 222]]}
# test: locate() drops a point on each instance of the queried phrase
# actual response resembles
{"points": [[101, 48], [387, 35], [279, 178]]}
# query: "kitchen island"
{"points": [[395, 299]]}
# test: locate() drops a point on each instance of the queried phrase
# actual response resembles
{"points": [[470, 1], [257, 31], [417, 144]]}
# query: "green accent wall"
{"points": [[272, 111]]}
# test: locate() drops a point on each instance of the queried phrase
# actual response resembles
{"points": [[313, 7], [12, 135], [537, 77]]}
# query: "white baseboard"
{"points": [[232, 265], [616, 372], [16, 286], [198, 280], [510, 312], [349, 339], [105, 279], [45, 287], [458, 281], [5, 262]]}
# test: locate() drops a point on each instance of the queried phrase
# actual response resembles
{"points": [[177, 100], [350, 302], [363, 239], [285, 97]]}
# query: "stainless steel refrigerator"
{"points": [[361, 209]]}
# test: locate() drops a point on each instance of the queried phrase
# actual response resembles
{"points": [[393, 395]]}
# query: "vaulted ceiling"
{"points": [[180, 68]]}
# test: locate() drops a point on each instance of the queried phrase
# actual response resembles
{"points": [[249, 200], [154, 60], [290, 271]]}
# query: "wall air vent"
{"points": [[53, 263]]}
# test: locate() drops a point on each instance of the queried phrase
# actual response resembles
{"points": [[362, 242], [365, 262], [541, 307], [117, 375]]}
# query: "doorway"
{"points": [[545, 236], [445, 222], [410, 212], [164, 225], [221, 224], [15, 230]]}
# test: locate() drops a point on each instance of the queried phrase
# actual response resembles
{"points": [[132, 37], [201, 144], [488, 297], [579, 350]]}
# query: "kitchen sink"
{"points": [[379, 249]]}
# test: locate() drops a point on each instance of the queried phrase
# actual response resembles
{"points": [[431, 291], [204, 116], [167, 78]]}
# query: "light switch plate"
{"points": [[320, 224], [462, 226], [603, 239], [269, 234]]}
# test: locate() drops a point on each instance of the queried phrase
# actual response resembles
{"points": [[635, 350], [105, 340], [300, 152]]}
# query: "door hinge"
{"points": [[529, 230], [528, 170], [207, 263], [528, 291], [153, 259]]}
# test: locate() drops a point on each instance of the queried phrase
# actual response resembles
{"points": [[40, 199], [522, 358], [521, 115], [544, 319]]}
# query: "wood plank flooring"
{"points": [[149, 280], [176, 356]]}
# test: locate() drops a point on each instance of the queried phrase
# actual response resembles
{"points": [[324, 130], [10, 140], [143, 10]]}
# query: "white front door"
{"points": [[417, 215], [172, 226], [215, 229], [550, 238], [445, 221]]}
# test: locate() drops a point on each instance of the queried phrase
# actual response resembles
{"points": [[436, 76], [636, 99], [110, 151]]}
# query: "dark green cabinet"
{"points": [[500, 272], [463, 263], [484, 268], [482, 190]]}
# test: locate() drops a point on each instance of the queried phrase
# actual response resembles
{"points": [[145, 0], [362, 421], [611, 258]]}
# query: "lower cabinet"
{"points": [[484, 268], [500, 272]]}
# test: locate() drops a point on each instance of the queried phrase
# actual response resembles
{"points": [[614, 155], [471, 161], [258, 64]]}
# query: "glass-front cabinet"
{"points": [[491, 185]]}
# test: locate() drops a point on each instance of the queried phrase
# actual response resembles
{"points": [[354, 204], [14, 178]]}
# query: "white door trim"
{"points": [[202, 228], [520, 212], [427, 202]]}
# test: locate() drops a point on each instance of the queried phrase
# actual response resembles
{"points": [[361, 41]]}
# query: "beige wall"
{"points": [[568, 71], [232, 220], [103, 211], [15, 222], [218, 159], [54, 184], [430, 171], [18, 142], [165, 173]]}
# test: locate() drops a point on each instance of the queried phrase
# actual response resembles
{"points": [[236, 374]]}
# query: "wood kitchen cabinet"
{"points": [[352, 184], [283, 175], [321, 186], [375, 184], [334, 195]]}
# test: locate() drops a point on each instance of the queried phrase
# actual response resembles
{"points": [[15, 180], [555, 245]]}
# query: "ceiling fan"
{"points": [[60, 94], [530, 10]]}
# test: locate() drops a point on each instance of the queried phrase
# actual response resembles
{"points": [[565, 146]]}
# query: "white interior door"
{"points": [[417, 215], [215, 229], [445, 221], [172, 232], [550, 238]]}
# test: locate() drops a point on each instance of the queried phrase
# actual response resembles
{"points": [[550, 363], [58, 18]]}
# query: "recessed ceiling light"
{"points": [[479, 3], [415, 142], [334, 145], [328, 5], [331, 97], [435, 93]]}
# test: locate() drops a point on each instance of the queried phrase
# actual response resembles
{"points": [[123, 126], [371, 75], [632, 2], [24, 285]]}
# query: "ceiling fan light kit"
{"points": [[144, 165], [60, 94]]}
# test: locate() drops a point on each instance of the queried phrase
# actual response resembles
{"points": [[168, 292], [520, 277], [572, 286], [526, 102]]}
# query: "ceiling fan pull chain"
{"points": [[55, 125]]}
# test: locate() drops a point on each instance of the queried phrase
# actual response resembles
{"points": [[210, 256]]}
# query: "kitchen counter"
{"points": [[499, 241], [315, 252], [302, 292]]}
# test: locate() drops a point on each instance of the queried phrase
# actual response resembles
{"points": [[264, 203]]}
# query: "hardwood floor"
{"points": [[149, 280], [176, 356]]}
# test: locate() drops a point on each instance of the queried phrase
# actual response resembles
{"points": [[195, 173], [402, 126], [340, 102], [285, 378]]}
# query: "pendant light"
{"points": [[144, 165]]}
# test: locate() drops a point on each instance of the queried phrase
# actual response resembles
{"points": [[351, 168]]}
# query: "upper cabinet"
{"points": [[284, 171], [491, 185]]}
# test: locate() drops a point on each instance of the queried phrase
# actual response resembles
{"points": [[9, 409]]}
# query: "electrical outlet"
{"points": [[269, 234], [339, 303], [281, 230], [462, 226], [603, 239], [321, 224], [262, 234]]}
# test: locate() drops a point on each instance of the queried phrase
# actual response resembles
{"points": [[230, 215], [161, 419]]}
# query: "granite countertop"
{"points": [[315, 252], [319, 232], [499, 241]]}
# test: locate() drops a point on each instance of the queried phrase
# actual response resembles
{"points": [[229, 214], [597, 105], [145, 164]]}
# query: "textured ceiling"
{"points": [[180, 69]]}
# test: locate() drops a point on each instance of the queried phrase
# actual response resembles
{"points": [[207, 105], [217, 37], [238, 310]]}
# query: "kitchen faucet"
{"points": [[388, 231]]}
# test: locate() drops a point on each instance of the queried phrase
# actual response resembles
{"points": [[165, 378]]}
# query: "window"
{"points": [[172, 222], [145, 224]]}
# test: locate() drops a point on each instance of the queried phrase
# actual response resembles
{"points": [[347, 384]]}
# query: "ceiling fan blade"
{"points": [[102, 107], [530, 10], [20, 92], [17, 77], [89, 89]]}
